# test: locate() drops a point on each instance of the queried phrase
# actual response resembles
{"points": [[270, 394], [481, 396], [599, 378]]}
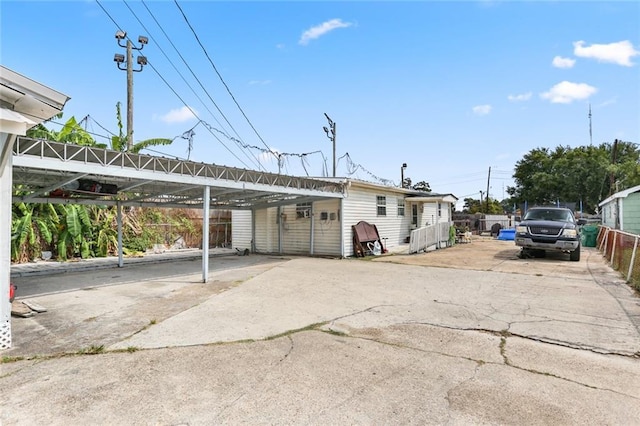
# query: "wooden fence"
{"points": [[620, 249]]}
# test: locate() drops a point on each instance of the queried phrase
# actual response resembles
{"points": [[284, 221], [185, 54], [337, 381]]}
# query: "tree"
{"points": [[472, 206], [71, 132], [422, 186], [585, 174]]}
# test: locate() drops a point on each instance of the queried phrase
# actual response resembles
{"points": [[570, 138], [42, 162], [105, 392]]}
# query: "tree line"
{"points": [[583, 175]]}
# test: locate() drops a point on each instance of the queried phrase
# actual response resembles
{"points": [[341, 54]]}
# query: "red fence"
{"points": [[620, 249]]}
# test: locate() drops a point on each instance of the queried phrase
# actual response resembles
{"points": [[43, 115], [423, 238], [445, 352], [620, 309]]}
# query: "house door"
{"points": [[414, 214]]}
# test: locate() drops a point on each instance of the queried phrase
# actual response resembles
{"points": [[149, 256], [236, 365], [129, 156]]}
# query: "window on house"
{"points": [[439, 209], [381, 203], [303, 210], [400, 206]]}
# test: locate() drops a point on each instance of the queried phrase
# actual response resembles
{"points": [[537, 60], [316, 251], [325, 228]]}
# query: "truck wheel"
{"points": [[575, 255]]}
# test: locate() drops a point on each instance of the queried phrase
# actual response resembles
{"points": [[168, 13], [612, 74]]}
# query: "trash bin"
{"points": [[589, 235]]}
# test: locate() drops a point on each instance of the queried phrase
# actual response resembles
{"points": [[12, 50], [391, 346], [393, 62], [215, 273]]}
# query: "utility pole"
{"points": [[404, 166], [614, 152], [481, 192], [331, 134], [590, 128], [142, 61], [488, 180]]}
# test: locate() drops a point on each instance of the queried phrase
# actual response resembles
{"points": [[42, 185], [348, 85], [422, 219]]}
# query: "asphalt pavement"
{"points": [[294, 340]]}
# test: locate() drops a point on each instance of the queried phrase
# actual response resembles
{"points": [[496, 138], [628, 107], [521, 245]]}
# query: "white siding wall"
{"points": [[429, 214], [296, 234], [266, 231], [241, 229], [360, 204], [326, 239]]}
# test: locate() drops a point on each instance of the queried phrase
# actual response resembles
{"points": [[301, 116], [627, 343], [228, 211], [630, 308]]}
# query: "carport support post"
{"points": [[205, 234], [6, 184], [119, 220], [312, 229]]}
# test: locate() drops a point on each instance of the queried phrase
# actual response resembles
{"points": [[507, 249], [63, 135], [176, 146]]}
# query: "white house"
{"points": [[23, 104], [324, 227]]}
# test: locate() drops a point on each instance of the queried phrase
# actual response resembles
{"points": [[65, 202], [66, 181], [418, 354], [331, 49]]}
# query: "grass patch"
{"points": [[91, 350], [10, 359], [290, 332]]}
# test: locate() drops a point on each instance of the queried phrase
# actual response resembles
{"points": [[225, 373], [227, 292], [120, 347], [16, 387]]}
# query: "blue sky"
{"points": [[450, 88]]}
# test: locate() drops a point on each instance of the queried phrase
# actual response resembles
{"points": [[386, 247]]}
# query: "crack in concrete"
{"points": [[290, 349], [606, 287], [504, 334]]}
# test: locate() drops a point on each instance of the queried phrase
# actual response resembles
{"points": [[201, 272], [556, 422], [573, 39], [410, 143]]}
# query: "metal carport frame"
{"points": [[41, 166]]}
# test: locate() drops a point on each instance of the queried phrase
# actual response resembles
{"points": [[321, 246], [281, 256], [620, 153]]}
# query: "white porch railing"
{"points": [[436, 236]]}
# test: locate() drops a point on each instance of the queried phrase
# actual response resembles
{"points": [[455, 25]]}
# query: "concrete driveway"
{"points": [[447, 337]]}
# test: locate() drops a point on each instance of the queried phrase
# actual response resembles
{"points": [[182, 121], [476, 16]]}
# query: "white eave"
{"points": [[621, 194], [28, 98], [445, 198]]}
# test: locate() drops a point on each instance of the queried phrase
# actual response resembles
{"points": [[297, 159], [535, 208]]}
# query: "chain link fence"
{"points": [[620, 249]]}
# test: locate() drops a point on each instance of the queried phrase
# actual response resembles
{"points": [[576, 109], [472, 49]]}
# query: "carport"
{"points": [[32, 170]]}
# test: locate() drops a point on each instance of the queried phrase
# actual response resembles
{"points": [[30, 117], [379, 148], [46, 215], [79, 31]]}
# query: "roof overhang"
{"points": [[445, 198], [621, 194], [29, 98]]}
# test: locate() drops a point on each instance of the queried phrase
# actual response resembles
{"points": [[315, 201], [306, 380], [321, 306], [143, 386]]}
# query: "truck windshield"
{"points": [[554, 215]]}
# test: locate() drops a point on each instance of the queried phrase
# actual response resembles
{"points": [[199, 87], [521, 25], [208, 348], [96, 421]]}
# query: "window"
{"points": [[381, 203], [400, 206], [439, 209], [303, 210]]}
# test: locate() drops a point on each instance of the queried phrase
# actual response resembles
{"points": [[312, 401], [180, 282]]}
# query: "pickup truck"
{"points": [[545, 229]]}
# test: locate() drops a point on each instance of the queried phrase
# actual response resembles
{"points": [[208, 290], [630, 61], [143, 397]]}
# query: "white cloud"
{"points": [[322, 29], [259, 82], [481, 109], [520, 98], [280, 46], [179, 115], [608, 102], [560, 62], [617, 53], [567, 92]]}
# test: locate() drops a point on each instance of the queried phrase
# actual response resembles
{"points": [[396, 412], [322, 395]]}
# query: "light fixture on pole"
{"points": [[128, 61], [404, 166], [331, 134]]}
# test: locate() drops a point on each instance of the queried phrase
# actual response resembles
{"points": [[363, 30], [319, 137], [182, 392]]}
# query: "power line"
{"points": [[218, 73], [254, 160], [170, 87]]}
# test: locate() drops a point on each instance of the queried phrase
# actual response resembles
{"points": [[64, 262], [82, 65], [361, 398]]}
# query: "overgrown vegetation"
{"points": [[79, 231]]}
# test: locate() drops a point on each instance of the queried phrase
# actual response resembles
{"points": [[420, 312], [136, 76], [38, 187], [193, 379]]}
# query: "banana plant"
{"points": [[119, 142], [32, 228], [75, 235], [107, 235]]}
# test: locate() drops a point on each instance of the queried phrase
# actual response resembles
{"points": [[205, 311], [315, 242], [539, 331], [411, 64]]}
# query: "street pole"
{"points": [[331, 134], [404, 166], [129, 95], [487, 197], [142, 61]]}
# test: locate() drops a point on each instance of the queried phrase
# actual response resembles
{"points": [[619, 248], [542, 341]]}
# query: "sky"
{"points": [[451, 89]]}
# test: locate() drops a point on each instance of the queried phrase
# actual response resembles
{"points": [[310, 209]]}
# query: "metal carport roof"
{"points": [[40, 167]]}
